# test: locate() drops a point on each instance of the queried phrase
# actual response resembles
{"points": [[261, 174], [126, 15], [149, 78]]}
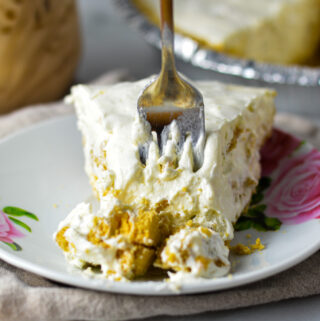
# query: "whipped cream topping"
{"points": [[195, 252]]}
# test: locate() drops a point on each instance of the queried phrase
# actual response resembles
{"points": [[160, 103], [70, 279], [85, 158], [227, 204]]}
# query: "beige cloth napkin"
{"points": [[25, 296]]}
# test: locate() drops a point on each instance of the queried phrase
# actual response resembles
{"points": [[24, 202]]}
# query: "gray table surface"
{"points": [[108, 44]]}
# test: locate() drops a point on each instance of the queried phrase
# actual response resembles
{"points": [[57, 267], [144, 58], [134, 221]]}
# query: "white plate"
{"points": [[41, 170]]}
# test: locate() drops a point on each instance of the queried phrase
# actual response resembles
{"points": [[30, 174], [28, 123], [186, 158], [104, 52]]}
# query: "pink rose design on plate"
{"points": [[7, 229], [277, 147], [294, 195]]}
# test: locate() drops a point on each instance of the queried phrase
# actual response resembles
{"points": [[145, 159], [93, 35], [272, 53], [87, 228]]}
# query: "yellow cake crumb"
{"points": [[257, 246], [204, 261], [205, 231], [146, 229], [241, 249], [99, 93], [135, 261], [145, 202], [143, 258], [161, 206], [61, 240], [100, 230]]}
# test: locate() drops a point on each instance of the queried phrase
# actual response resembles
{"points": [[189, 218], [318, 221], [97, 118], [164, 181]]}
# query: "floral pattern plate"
{"points": [[42, 179]]}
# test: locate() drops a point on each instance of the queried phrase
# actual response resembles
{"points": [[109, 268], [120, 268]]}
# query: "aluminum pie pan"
{"points": [[189, 51]]}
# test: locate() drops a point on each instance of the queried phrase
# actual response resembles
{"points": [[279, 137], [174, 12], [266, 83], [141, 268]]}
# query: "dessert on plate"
{"points": [[275, 31], [163, 213]]}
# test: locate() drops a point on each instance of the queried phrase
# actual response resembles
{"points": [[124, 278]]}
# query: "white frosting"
{"points": [[238, 119], [196, 252]]}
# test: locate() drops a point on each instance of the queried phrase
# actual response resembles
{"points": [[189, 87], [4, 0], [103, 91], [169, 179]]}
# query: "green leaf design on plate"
{"points": [[18, 222], [259, 226], [243, 223], [256, 198], [254, 217], [264, 183], [272, 223], [255, 211], [260, 208], [16, 211], [14, 246]]}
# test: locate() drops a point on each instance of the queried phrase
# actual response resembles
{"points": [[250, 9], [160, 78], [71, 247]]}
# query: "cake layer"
{"points": [[141, 205], [278, 31]]}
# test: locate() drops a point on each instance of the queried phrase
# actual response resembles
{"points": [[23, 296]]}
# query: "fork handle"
{"points": [[167, 37]]}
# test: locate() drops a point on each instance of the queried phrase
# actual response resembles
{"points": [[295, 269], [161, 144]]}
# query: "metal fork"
{"points": [[170, 98]]}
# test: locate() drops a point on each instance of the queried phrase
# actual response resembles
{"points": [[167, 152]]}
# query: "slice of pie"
{"points": [[163, 213], [277, 31]]}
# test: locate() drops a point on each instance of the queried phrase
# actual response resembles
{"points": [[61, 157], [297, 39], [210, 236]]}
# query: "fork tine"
{"points": [[172, 100]]}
